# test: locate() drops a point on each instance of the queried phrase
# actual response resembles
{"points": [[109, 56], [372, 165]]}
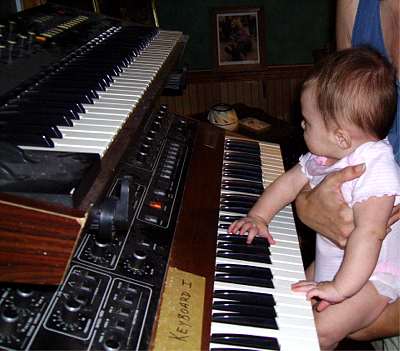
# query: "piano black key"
{"points": [[75, 84], [250, 199], [223, 225], [243, 158], [258, 342], [234, 202], [17, 118], [38, 105], [244, 257], [104, 79], [40, 110], [243, 183], [243, 148], [242, 189], [43, 96], [244, 248], [48, 131], [252, 271], [246, 297], [247, 309], [229, 218], [28, 140], [236, 209], [251, 321], [241, 175], [243, 166], [241, 239], [244, 280], [247, 143]]}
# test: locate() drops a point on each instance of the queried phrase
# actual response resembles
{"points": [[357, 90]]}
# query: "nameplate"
{"points": [[181, 315]]}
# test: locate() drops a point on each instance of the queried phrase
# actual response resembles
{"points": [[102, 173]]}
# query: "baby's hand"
{"points": [[325, 291], [254, 226]]}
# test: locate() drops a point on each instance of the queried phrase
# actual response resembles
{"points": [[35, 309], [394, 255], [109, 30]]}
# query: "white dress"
{"points": [[381, 177]]}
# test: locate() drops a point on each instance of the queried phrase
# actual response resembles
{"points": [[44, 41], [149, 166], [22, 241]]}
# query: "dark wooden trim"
{"points": [[265, 73], [36, 240]]}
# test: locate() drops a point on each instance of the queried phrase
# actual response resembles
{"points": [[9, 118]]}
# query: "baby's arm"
{"points": [[361, 253], [277, 195]]}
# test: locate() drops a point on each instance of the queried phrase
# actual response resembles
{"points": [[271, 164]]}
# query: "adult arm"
{"points": [[345, 16], [324, 209]]}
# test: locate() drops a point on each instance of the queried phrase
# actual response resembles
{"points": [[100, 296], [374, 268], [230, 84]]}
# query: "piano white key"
{"points": [[106, 123], [286, 344], [118, 118], [74, 134], [287, 308], [95, 128], [284, 331]]}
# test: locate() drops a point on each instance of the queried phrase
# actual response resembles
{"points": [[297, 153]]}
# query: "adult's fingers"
{"points": [[304, 285], [346, 174], [395, 216]]}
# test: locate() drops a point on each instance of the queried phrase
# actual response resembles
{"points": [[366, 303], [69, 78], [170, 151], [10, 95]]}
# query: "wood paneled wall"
{"points": [[274, 90]]}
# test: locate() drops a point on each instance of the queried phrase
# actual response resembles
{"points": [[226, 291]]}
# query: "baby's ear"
{"points": [[343, 139]]}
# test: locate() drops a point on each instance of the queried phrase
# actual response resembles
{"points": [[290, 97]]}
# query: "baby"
{"points": [[348, 104]]}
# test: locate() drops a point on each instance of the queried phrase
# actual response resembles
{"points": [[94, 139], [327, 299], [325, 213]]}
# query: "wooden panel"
{"points": [[274, 90], [195, 253], [36, 240]]}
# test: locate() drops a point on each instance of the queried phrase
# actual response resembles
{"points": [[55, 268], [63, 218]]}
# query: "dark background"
{"points": [[293, 29]]}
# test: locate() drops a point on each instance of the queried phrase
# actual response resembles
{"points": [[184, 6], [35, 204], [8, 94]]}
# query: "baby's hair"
{"points": [[357, 86]]}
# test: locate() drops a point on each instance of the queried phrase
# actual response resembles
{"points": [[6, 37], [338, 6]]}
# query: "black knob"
{"points": [[11, 45], [8, 321], [141, 156], [145, 147], [99, 248], [139, 258], [23, 297], [111, 344], [71, 310]]}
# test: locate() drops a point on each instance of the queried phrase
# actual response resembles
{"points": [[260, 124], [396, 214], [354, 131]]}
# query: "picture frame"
{"points": [[238, 37]]}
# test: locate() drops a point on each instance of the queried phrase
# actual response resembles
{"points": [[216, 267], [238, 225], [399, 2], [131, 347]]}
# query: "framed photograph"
{"points": [[239, 39]]}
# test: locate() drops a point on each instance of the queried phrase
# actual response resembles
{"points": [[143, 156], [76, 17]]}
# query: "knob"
{"points": [[145, 147], [163, 108], [111, 344], [152, 133], [156, 125], [8, 321], [11, 45], [71, 310], [21, 46], [141, 156], [11, 28], [139, 258], [23, 297], [149, 139], [99, 248]]}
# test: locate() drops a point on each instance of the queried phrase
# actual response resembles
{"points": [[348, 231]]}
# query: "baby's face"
{"points": [[319, 139]]}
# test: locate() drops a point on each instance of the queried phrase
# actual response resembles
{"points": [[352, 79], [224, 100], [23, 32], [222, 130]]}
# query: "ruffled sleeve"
{"points": [[381, 176]]}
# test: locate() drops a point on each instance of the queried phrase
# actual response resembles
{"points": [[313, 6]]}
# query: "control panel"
{"points": [[109, 297]]}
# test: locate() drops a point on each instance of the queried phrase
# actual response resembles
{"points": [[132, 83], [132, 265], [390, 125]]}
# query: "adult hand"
{"points": [[324, 209], [394, 217]]}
